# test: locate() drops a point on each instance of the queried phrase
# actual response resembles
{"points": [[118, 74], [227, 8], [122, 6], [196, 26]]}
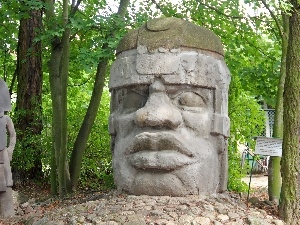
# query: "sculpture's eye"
{"points": [[191, 99], [134, 100]]}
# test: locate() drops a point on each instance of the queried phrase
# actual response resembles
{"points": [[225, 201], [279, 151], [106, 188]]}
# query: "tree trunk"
{"points": [[56, 119], [86, 126], [59, 120], [58, 77], [29, 99], [274, 173], [290, 194]]}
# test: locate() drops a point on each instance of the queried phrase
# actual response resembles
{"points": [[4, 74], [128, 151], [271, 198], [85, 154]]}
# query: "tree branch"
{"points": [[220, 12], [164, 12], [230, 16], [248, 17], [274, 17], [123, 7], [158, 6], [74, 7]]}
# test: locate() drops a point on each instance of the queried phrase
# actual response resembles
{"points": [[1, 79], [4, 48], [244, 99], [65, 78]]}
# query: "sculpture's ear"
{"points": [[112, 132], [111, 125], [220, 125]]}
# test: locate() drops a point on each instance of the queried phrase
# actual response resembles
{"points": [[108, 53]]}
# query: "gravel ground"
{"points": [[115, 208], [257, 181]]}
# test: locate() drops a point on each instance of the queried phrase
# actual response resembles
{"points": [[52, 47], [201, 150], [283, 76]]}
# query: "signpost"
{"points": [[268, 146]]}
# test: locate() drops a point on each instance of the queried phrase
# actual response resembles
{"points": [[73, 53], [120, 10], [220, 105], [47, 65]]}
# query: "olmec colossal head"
{"points": [[168, 122]]}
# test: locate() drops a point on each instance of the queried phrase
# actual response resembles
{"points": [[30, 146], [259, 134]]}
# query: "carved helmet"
{"points": [[179, 52]]}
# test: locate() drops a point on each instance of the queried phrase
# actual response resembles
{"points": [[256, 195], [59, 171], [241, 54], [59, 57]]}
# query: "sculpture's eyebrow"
{"points": [[143, 93], [204, 96], [204, 93]]}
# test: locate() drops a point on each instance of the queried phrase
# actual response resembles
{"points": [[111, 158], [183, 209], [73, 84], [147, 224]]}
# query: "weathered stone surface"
{"points": [[255, 220], [6, 203], [185, 219], [222, 218], [169, 121], [171, 33], [6, 151], [201, 221], [233, 215], [278, 222], [5, 104]]}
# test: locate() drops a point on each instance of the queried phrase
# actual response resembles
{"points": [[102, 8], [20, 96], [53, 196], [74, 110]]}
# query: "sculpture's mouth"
{"points": [[160, 151]]}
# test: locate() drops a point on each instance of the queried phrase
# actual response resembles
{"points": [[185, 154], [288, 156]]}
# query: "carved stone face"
{"points": [[163, 143], [168, 121]]}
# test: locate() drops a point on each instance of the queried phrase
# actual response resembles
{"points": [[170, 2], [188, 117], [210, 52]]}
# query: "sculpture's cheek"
{"points": [[124, 125], [200, 123]]}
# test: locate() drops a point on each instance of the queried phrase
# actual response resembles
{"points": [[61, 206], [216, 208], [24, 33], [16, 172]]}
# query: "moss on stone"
{"points": [[171, 33]]}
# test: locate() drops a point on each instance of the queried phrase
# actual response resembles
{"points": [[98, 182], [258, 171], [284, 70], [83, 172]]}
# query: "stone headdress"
{"points": [[178, 52]]}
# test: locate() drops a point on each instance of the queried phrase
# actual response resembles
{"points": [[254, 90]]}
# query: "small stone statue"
{"points": [[169, 110], [6, 126]]}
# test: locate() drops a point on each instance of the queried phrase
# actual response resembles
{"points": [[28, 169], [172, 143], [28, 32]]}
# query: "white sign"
{"points": [[268, 146]]}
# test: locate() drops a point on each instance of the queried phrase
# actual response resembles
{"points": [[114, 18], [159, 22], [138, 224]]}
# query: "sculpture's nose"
{"points": [[158, 110]]}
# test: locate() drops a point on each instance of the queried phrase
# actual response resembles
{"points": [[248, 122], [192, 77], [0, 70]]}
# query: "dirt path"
{"points": [[257, 181]]}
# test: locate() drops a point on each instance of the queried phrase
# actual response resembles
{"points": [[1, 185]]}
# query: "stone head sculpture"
{"points": [[169, 115]]}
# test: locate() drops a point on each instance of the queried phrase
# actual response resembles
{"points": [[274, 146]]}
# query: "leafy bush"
{"points": [[247, 120], [96, 171]]}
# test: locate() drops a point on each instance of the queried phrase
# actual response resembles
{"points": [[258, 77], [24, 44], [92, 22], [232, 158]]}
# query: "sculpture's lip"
{"points": [[159, 160], [157, 142], [158, 151]]}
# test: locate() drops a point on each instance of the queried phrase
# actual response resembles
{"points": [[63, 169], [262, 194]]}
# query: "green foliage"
{"points": [[96, 169], [33, 4], [24, 154], [28, 125], [247, 120], [8, 38], [95, 33]]}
